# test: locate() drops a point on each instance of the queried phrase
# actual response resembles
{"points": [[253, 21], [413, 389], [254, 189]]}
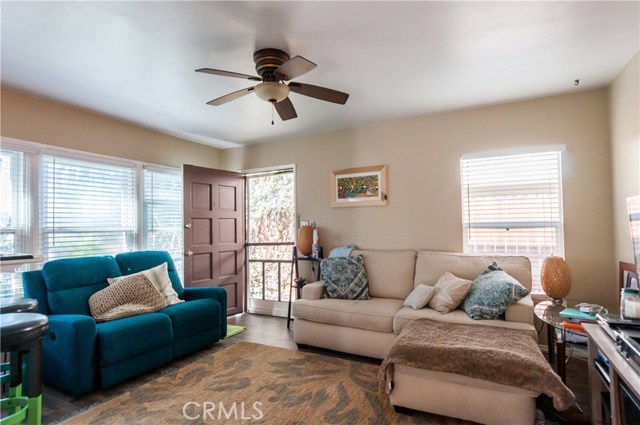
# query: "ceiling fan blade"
{"points": [[322, 93], [228, 74], [231, 96], [285, 109], [293, 68]]}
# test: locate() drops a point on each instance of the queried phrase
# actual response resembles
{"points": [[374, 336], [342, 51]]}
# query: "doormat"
{"points": [[233, 330]]}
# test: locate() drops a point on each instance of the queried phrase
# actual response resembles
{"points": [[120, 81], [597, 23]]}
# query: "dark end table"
{"points": [[549, 313]]}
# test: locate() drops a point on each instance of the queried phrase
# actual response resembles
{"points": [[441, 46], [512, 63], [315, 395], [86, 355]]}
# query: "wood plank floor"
{"points": [[263, 330]]}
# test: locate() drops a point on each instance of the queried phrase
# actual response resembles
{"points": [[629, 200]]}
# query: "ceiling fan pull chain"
{"points": [[273, 106]]}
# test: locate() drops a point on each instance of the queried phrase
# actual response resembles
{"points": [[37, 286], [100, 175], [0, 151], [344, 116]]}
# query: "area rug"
{"points": [[250, 383], [233, 330]]}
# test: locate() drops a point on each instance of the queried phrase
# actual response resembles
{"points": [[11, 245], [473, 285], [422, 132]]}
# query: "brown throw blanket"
{"points": [[505, 356]]}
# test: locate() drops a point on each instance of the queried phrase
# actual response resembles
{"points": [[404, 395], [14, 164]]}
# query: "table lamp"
{"points": [[555, 278]]}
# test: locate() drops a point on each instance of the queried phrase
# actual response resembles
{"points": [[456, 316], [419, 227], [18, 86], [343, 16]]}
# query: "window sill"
{"points": [[539, 297]]}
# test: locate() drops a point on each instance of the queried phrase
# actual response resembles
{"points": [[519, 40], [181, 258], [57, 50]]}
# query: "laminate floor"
{"points": [[262, 330]]}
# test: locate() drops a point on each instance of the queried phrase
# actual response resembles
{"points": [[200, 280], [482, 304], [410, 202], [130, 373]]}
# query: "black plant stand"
{"points": [[294, 265]]}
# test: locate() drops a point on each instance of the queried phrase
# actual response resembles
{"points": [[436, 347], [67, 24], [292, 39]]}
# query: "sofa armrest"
{"points": [[218, 294], [522, 311], [312, 291], [68, 353]]}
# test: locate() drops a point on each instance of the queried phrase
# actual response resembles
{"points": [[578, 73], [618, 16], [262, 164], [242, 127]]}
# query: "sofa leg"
{"points": [[404, 410], [302, 346]]}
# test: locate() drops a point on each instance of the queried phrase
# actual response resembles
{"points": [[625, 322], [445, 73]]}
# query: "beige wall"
{"points": [[624, 98], [422, 155], [39, 120]]}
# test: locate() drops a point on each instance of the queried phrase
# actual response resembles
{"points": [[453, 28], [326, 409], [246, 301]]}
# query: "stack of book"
{"points": [[574, 318]]}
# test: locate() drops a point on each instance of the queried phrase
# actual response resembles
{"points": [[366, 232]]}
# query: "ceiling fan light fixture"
{"points": [[271, 91]]}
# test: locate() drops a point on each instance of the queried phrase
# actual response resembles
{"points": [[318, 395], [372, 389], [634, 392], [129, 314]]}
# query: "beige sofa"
{"points": [[369, 328]]}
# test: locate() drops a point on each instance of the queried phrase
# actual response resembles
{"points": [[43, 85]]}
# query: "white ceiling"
{"points": [[135, 60]]}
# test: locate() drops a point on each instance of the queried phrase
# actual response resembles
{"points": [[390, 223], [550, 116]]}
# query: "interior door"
{"points": [[214, 252]]}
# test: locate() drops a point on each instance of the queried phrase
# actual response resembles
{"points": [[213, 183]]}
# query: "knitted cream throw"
{"points": [[128, 297], [506, 356]]}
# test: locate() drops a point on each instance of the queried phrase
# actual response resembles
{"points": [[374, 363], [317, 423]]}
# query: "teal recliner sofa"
{"points": [[79, 355]]}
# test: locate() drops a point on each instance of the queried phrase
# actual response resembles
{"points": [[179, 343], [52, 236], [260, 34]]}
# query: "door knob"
{"points": [[188, 253], [187, 225]]}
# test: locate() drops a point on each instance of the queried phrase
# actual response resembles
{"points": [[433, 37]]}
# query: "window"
{"points": [[88, 208], [14, 218], [512, 205], [162, 212], [13, 208], [83, 204]]}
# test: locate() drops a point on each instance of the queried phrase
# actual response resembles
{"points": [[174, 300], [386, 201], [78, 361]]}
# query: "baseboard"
{"points": [[268, 312]]}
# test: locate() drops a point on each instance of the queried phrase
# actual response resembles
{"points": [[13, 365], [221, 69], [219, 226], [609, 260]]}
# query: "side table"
{"points": [[294, 266], [549, 313]]}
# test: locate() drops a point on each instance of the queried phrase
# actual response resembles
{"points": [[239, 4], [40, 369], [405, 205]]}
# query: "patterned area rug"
{"points": [[249, 383]]}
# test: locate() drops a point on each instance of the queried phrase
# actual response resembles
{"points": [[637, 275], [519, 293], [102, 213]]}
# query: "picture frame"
{"points": [[359, 187], [628, 276]]}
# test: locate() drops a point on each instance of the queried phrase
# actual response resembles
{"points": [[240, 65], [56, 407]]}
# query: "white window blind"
{"points": [[83, 204], [88, 208], [512, 205], [13, 211], [162, 212], [14, 217]]}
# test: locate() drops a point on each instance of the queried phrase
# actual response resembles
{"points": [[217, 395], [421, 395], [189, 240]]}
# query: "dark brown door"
{"points": [[214, 232]]}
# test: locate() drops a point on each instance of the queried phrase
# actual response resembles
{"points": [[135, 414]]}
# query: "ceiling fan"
{"points": [[275, 67]]}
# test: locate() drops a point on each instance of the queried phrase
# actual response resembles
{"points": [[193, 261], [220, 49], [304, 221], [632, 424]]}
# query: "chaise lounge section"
{"points": [[370, 328]]}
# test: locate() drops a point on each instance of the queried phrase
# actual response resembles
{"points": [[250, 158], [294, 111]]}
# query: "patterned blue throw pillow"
{"points": [[492, 292], [345, 278]]}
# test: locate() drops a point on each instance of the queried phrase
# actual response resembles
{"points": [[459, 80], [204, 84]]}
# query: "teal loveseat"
{"points": [[79, 355]]}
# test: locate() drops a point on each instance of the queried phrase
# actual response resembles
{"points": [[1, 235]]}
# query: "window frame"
{"points": [[522, 222], [33, 154], [129, 231], [20, 230]]}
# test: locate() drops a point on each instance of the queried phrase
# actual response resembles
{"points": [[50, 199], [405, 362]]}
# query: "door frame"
{"points": [[275, 311]]}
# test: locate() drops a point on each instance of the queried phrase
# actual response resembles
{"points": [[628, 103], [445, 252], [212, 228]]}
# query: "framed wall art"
{"points": [[359, 187]]}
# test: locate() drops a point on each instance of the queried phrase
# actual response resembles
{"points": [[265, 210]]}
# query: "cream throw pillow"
{"points": [[450, 291], [420, 296], [159, 277]]}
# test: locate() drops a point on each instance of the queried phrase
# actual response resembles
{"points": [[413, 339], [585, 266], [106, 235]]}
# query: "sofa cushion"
{"points": [[420, 296], [192, 317], [390, 272], [131, 337], [407, 314], [431, 265], [130, 296], [521, 311], [159, 277], [134, 262], [450, 290], [71, 281], [345, 278], [491, 293], [375, 314]]}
